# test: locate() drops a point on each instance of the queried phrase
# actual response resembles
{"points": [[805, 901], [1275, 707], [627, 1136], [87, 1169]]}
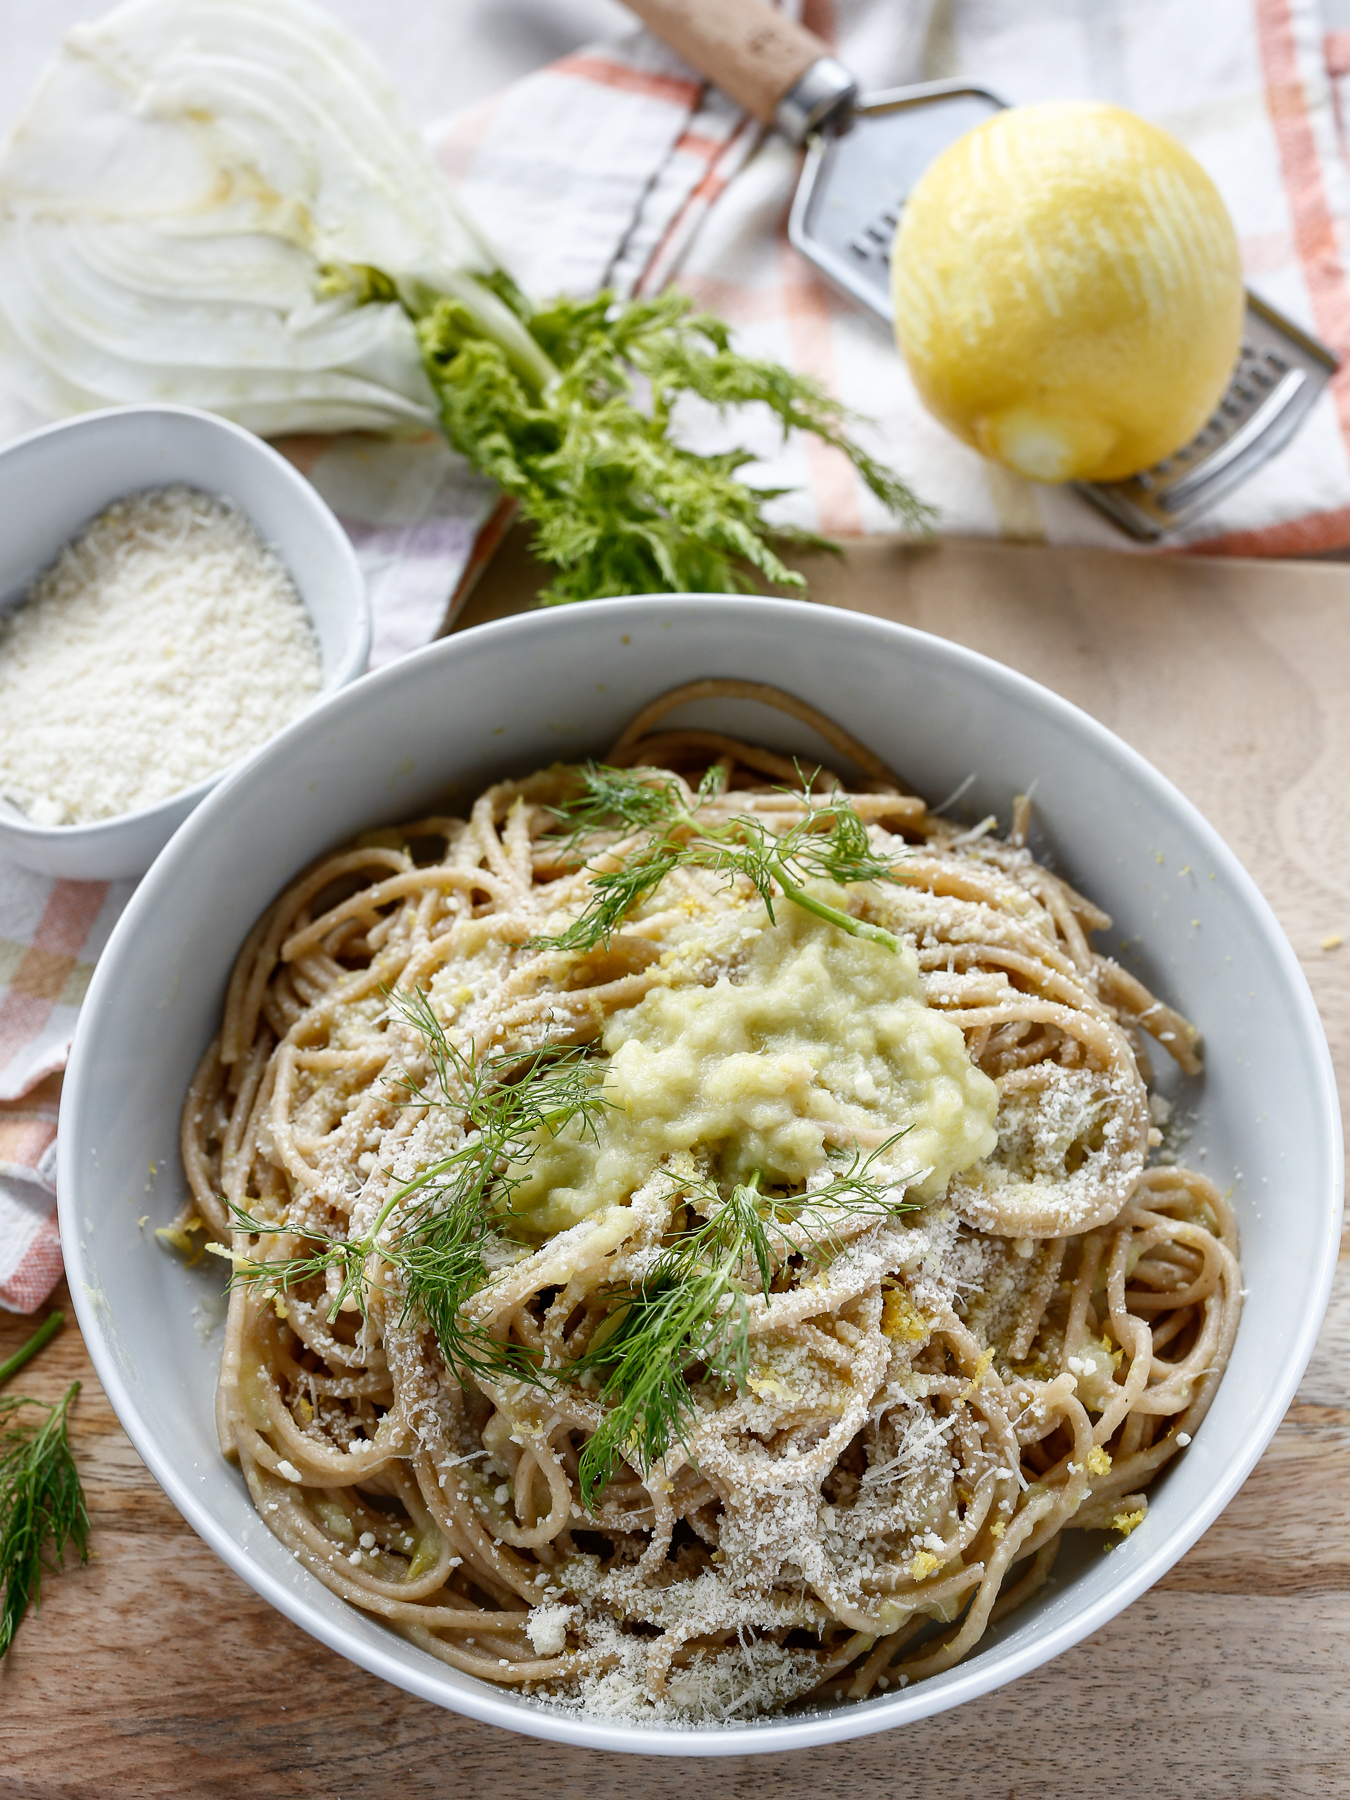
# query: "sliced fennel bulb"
{"points": [[222, 203], [170, 195]]}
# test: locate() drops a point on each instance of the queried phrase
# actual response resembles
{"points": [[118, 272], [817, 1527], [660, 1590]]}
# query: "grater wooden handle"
{"points": [[750, 51]]}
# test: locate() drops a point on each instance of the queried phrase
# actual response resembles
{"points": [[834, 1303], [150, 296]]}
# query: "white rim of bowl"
{"points": [[92, 833], [968, 1680]]}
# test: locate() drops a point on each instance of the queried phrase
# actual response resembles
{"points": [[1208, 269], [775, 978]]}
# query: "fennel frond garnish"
{"points": [[830, 844], [691, 1313], [434, 1230], [42, 1509]]}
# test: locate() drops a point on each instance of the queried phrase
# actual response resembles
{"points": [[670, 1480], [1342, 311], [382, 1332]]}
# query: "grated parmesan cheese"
{"points": [[546, 1628], [164, 643]]}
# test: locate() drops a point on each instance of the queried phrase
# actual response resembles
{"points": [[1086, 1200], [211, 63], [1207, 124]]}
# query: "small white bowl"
{"points": [[428, 733], [57, 479]]}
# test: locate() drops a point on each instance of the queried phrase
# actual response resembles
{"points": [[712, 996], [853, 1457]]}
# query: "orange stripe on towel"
{"points": [[1313, 222], [38, 1272], [1292, 537], [605, 73]]}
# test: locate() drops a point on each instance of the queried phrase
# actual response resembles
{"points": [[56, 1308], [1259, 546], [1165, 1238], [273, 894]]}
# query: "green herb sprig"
{"points": [[692, 1309], [42, 1506], [439, 1243], [553, 416], [830, 843]]}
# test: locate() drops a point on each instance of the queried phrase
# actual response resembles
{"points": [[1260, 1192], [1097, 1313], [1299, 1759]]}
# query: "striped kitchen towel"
{"points": [[50, 935]]}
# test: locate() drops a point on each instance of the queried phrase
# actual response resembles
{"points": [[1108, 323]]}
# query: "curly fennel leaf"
{"points": [[617, 503], [42, 1509]]}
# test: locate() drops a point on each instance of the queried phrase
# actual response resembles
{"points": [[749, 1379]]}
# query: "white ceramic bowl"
{"points": [[55, 480], [437, 727]]}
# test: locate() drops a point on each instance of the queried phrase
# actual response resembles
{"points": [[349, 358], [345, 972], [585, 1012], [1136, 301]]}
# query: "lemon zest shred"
{"points": [[901, 1320], [764, 1381], [980, 1369], [179, 1237]]}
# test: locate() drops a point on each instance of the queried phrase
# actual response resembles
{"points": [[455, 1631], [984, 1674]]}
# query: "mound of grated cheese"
{"points": [[164, 643]]}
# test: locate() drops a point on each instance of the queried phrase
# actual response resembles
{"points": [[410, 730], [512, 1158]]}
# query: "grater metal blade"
{"points": [[859, 170]]}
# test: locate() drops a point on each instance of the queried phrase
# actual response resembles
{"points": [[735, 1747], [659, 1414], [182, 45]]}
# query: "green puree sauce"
{"points": [[823, 1042]]}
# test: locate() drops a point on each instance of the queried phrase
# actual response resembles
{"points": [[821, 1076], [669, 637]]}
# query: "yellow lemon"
{"points": [[1067, 291]]}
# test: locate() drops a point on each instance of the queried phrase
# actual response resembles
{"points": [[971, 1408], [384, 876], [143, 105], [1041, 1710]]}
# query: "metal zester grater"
{"points": [[858, 173], [864, 155]]}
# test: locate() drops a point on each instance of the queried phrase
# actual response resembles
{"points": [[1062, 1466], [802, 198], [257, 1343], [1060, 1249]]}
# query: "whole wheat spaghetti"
{"points": [[695, 1244]]}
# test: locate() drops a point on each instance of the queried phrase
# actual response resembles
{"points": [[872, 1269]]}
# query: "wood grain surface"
{"points": [[156, 1672]]}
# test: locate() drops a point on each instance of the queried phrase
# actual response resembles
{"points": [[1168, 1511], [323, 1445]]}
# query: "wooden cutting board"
{"points": [[156, 1672]]}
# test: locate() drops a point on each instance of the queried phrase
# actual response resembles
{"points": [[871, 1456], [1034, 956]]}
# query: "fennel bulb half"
{"points": [[222, 203], [170, 196]]}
